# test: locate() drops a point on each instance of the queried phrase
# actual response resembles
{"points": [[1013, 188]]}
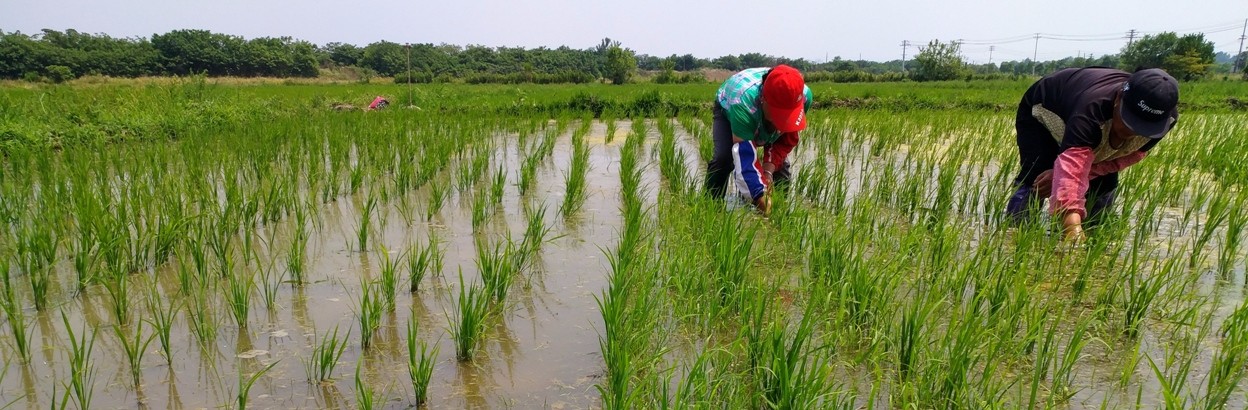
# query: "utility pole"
{"points": [[1130, 37], [408, 47], [1243, 35], [904, 44], [1034, 53], [990, 50]]}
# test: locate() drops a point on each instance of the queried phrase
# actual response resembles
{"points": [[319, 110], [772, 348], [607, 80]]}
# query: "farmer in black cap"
{"points": [[1077, 128]]}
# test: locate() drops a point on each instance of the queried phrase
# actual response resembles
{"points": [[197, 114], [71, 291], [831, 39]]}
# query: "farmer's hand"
{"points": [[1072, 228], [763, 204], [1044, 184]]}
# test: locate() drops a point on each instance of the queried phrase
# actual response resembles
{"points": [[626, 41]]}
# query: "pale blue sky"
{"points": [[870, 29]]}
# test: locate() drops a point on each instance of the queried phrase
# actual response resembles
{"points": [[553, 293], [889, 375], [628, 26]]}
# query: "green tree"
{"points": [[1186, 58], [620, 64], [938, 61], [384, 57], [728, 62]]}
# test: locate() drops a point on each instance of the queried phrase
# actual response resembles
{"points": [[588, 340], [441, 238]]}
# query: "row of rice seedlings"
{"points": [[672, 159], [700, 133]]}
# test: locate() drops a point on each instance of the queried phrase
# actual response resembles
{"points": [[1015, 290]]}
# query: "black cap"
{"points": [[1148, 98]]}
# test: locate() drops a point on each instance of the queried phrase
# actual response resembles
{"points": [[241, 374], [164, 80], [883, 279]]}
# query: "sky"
{"points": [[816, 30]]}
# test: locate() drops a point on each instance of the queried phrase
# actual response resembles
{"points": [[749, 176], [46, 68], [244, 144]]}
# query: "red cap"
{"points": [[784, 91]]}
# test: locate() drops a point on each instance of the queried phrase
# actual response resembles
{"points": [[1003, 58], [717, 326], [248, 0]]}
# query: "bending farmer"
{"points": [[756, 107], [1077, 128]]}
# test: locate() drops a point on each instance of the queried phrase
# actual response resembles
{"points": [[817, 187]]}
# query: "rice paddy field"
{"points": [[188, 244]]}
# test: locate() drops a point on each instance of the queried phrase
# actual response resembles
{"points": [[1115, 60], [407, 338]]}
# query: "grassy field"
{"points": [[183, 243]]}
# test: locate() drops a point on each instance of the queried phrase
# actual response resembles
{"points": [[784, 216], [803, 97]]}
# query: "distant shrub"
{"points": [[59, 73]]}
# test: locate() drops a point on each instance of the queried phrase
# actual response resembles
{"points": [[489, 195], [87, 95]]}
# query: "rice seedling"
{"points": [[364, 229], [118, 287], [419, 259], [574, 186], [1230, 362], [84, 257], [369, 309], [535, 231], [420, 362], [296, 257], [202, 318], [134, 346], [468, 324], [161, 316], [438, 192], [82, 369], [16, 318], [245, 384], [270, 281], [326, 352], [498, 267], [365, 397], [497, 186], [528, 172], [388, 281], [240, 283], [481, 210], [1139, 293]]}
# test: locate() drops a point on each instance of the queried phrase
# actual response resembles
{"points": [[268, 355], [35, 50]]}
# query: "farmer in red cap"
{"points": [[1077, 128], [756, 107]]}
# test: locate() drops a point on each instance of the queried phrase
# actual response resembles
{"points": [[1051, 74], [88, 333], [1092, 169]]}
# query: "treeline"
{"points": [[59, 56]]}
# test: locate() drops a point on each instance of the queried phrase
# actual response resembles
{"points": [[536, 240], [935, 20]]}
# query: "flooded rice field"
{"points": [[470, 263]]}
